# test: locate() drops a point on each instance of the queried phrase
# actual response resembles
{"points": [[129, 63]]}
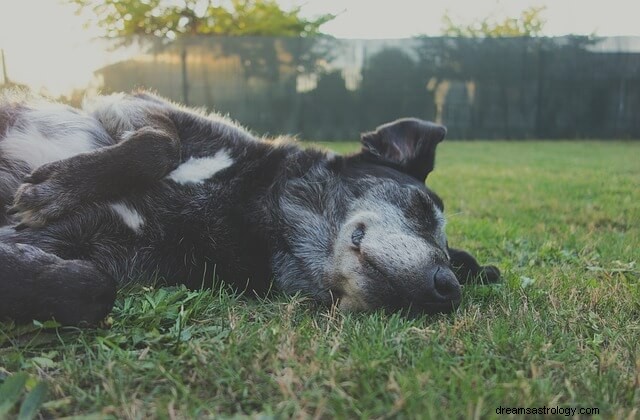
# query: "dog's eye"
{"points": [[357, 235]]}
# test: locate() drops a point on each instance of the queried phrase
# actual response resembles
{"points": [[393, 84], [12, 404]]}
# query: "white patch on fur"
{"points": [[118, 112], [48, 134], [198, 170], [129, 216], [127, 135], [331, 156], [96, 103]]}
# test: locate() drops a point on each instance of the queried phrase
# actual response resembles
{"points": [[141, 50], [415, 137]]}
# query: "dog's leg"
{"points": [[144, 156], [10, 179], [37, 285], [468, 270]]}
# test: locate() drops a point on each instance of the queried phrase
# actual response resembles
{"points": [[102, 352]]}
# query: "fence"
{"points": [[324, 89]]}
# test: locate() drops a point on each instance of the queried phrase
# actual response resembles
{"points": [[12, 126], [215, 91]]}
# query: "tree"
{"points": [[5, 83], [529, 23], [171, 20]]}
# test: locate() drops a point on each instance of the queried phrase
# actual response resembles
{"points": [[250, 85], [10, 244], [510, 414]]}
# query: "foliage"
{"points": [[529, 23], [559, 218], [11, 392], [171, 19], [168, 20]]}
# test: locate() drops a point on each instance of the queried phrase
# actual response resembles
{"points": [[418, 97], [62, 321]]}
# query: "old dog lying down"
{"points": [[134, 188]]}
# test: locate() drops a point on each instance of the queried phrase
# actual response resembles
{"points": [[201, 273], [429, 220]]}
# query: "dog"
{"points": [[135, 188]]}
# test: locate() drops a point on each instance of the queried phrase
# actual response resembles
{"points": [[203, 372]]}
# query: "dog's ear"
{"points": [[409, 143]]}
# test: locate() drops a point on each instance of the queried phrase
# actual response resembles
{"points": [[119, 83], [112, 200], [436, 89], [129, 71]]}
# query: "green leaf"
{"points": [[167, 18], [32, 403], [43, 362], [10, 392]]}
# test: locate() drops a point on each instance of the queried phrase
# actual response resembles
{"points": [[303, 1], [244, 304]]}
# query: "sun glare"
{"points": [[48, 47]]}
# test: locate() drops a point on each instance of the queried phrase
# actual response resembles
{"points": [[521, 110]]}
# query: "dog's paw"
{"points": [[489, 274], [46, 195], [485, 274]]}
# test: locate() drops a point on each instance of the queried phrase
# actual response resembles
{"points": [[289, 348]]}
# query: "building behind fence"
{"points": [[329, 89]]}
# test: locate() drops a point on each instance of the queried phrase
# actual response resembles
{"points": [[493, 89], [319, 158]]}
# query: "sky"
{"points": [[47, 46]]}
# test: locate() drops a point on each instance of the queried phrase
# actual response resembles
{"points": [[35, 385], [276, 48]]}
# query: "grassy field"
{"points": [[562, 221]]}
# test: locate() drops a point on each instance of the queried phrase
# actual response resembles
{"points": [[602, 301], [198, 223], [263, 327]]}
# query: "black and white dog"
{"points": [[134, 188]]}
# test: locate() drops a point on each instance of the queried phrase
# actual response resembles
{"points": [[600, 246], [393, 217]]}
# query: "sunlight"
{"points": [[49, 48]]}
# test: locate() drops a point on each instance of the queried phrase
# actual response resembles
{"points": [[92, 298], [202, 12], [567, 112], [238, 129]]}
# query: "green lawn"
{"points": [[562, 221]]}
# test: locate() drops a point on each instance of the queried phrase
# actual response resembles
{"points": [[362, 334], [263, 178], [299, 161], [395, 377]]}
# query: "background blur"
{"points": [[328, 70]]}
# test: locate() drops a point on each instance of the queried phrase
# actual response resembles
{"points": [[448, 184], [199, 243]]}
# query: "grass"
{"points": [[561, 219]]}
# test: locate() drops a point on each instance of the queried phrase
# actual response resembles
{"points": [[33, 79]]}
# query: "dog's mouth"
{"points": [[348, 298], [365, 293]]}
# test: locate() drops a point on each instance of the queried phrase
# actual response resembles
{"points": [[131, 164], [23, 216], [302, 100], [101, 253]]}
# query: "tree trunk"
{"points": [[185, 79], [5, 76]]}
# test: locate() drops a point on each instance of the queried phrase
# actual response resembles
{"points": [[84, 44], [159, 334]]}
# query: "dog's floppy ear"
{"points": [[409, 143]]}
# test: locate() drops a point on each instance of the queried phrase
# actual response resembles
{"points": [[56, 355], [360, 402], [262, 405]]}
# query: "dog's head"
{"points": [[391, 251], [381, 229]]}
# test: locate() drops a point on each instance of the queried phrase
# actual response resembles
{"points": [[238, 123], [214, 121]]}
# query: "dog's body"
{"points": [[134, 188]]}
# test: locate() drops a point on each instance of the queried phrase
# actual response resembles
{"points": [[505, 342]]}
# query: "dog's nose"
{"points": [[437, 291], [445, 284], [442, 286]]}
